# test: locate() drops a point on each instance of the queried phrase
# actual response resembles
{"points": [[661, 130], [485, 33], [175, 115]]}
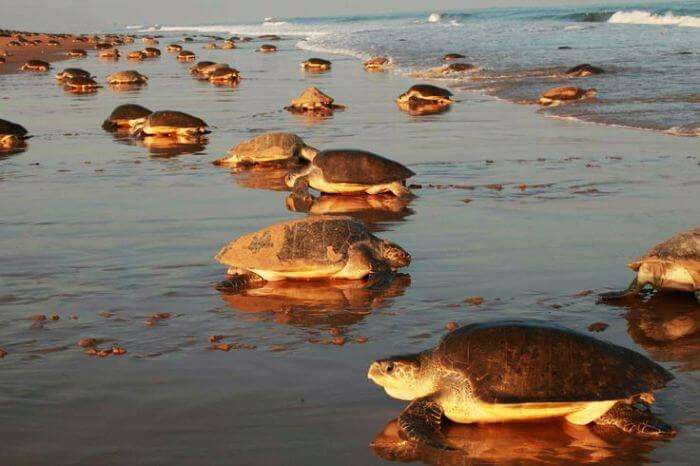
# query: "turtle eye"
{"points": [[389, 367]]}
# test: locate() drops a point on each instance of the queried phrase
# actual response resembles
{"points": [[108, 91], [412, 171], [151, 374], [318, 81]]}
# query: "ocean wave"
{"points": [[589, 17], [646, 17]]}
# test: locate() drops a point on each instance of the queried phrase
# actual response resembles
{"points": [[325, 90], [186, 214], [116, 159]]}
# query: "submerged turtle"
{"points": [[36, 66], [81, 84], [125, 117], [316, 64], [315, 247], [12, 135], [376, 64], [204, 69], [453, 56], [268, 148], [170, 123], [186, 55], [313, 100], [267, 48], [110, 53], [136, 55], [151, 52], [127, 77], [72, 73], [558, 95], [77, 53], [584, 70], [174, 48], [671, 265], [224, 74], [352, 172], [517, 370]]}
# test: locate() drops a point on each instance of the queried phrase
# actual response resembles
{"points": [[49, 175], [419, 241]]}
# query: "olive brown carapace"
{"points": [[506, 371]]}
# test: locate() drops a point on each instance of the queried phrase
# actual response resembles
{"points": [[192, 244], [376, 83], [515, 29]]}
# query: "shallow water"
{"points": [[103, 226]]}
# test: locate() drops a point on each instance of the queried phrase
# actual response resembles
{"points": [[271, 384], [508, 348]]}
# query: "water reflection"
{"points": [[516, 444], [270, 177], [422, 109], [5, 153], [170, 146], [316, 303]]}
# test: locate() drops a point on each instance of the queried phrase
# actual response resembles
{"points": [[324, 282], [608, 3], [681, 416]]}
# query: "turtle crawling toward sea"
{"points": [[672, 265], [186, 55], [37, 66], [267, 149], [505, 371], [127, 77], [136, 55], [583, 70], [170, 123], [376, 64], [267, 48], [72, 73], [316, 64], [425, 98], [313, 100], [558, 95], [12, 135], [80, 84], [349, 171], [224, 75], [314, 247], [125, 117]]}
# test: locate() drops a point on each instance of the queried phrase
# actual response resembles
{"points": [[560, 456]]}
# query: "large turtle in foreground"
{"points": [[518, 371], [315, 247], [672, 265], [268, 148], [350, 171]]}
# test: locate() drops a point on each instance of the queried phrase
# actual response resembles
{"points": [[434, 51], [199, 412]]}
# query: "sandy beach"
{"points": [[533, 214], [18, 55]]}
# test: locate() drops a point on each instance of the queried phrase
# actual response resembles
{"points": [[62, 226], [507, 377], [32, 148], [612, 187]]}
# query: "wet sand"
{"points": [[91, 225], [17, 56]]}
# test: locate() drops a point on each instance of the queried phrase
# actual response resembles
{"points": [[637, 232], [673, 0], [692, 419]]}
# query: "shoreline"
{"points": [[17, 56]]}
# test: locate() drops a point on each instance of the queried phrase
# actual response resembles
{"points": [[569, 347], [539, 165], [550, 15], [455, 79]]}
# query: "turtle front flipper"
{"points": [[632, 290], [632, 420], [237, 283], [421, 422]]}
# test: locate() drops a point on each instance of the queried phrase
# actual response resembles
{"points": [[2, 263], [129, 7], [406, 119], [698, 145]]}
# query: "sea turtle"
{"points": [[125, 117], [376, 64], [350, 171], [584, 70], [267, 48], [72, 73], [174, 48], [458, 68], [151, 52], [427, 93], [224, 74], [503, 371], [204, 69], [80, 84], [170, 123], [12, 135], [103, 46], [316, 64], [558, 95], [268, 148], [136, 55], [453, 56], [77, 53], [186, 55], [127, 77], [150, 40], [53, 43], [211, 46], [671, 265], [110, 53], [3, 60], [36, 66], [313, 100], [314, 247], [228, 44]]}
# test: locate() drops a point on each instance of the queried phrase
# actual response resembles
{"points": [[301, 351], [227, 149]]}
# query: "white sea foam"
{"points": [[646, 17], [434, 18]]}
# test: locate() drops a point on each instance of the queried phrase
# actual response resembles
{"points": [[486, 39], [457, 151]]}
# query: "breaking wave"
{"points": [[646, 17]]}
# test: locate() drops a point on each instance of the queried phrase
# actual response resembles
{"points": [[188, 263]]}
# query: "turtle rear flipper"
{"points": [[632, 290], [420, 422], [635, 421]]}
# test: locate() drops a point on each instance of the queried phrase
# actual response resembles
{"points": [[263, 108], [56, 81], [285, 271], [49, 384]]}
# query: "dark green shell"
{"points": [[9, 128], [174, 118], [358, 166]]}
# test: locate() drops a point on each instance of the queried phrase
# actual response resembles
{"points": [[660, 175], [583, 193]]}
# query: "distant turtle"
{"points": [[38, 66], [110, 53], [12, 135], [125, 117], [127, 77], [521, 370], [53, 43], [81, 84], [186, 55], [458, 68], [170, 123], [453, 56], [313, 100], [425, 95], [136, 55], [103, 46], [268, 148], [267, 48], [188, 39], [204, 69], [149, 40], [72, 73], [224, 74], [584, 70], [350, 171], [174, 48], [558, 95], [77, 53], [211, 46], [376, 64], [228, 45], [151, 52], [671, 265], [316, 64], [269, 37], [314, 247]]}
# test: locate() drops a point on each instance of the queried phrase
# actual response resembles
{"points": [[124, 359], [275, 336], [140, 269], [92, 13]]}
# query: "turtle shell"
{"points": [[427, 91], [312, 95], [684, 246], [317, 62], [564, 93], [376, 61], [358, 166], [73, 73], [296, 245], [127, 76], [280, 143], [9, 128], [453, 56], [37, 64], [129, 112], [80, 81], [532, 361], [223, 71], [585, 67], [175, 119]]}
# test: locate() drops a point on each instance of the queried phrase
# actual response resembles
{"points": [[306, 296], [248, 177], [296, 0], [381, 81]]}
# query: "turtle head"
{"points": [[308, 153], [403, 377], [394, 254], [293, 176]]}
